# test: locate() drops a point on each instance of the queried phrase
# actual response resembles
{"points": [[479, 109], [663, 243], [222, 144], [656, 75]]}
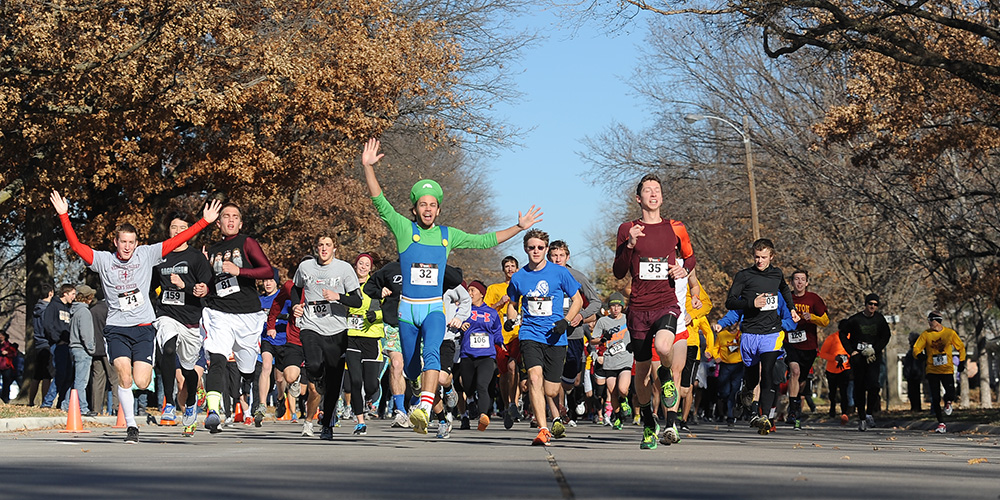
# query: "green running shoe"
{"points": [[669, 398], [649, 437], [419, 419], [558, 430]]}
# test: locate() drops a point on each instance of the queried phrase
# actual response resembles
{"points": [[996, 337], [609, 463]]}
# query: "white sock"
{"points": [[127, 400]]}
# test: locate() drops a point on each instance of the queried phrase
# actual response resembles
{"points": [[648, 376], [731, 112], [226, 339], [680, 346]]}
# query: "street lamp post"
{"points": [[746, 143]]}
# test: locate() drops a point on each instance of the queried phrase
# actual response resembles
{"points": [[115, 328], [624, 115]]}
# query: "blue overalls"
{"points": [[421, 309]]}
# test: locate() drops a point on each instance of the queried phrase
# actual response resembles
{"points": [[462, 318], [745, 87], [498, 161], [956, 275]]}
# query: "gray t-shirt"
{"points": [[457, 304], [320, 315], [126, 284], [589, 293], [616, 356]]}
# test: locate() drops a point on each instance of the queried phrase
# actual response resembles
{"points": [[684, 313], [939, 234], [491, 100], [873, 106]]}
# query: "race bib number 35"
{"points": [[653, 269], [172, 298], [539, 306], [226, 287], [424, 274], [130, 300]]}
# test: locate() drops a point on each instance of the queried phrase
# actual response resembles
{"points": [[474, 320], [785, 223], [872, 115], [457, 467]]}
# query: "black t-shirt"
{"points": [[192, 267], [749, 283]]}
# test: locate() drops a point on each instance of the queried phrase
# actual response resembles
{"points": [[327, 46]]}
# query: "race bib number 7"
{"points": [[539, 306], [653, 269]]}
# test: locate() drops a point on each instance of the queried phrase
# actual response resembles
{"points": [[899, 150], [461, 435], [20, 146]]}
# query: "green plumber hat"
{"points": [[425, 187]]}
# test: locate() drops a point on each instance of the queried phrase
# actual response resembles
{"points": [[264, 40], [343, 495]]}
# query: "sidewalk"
{"points": [[910, 424], [35, 423]]}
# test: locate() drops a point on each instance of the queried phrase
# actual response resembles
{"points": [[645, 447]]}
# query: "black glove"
{"points": [[841, 359], [508, 326], [560, 326], [606, 336], [370, 316], [961, 366]]}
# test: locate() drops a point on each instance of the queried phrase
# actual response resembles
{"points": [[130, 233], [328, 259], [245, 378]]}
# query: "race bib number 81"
{"points": [[227, 287]]}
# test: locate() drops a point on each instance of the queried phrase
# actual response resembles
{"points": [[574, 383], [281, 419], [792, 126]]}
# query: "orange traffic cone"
{"points": [[120, 424], [288, 411], [239, 411], [74, 421]]}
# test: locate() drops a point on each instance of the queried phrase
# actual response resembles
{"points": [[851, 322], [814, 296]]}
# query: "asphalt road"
{"points": [[591, 462]]}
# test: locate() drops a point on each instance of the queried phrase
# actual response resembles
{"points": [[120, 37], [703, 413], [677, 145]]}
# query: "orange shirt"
{"points": [[830, 350]]}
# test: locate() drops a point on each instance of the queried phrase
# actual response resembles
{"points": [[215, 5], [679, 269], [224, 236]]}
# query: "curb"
{"points": [[35, 423]]}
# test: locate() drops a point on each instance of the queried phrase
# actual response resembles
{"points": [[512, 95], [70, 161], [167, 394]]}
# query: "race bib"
{"points": [[770, 302], [226, 287], [653, 269], [797, 336], [539, 306], [566, 302], [863, 345], [479, 341], [616, 349], [319, 310], [940, 359], [424, 274], [355, 322], [64, 316], [130, 300], [172, 298]]}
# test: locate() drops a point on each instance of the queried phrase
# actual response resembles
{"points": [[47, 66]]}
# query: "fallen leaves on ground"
{"points": [[974, 461]]}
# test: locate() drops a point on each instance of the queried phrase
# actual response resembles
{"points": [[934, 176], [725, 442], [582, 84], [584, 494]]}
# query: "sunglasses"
{"points": [[530, 248], [873, 304]]}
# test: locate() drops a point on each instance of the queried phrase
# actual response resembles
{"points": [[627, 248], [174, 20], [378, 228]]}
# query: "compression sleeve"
{"points": [[279, 303], [86, 253], [352, 298], [172, 244], [255, 255], [735, 300], [623, 254]]}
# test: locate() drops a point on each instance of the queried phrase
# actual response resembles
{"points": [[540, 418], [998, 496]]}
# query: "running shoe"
{"points": [[543, 438], [258, 417], [401, 420], [279, 408], [248, 421], [451, 398], [870, 421], [444, 429], [132, 435], [616, 422], [212, 422], [558, 429], [798, 425], [307, 429], [326, 434], [572, 423], [649, 437], [671, 435], [862, 425], [669, 397], [361, 430], [189, 430], [941, 428], [730, 424], [764, 426], [947, 408], [202, 399], [169, 415], [626, 411], [190, 416], [420, 419], [228, 422], [844, 419], [508, 417], [581, 408], [484, 422], [683, 427], [466, 425]]}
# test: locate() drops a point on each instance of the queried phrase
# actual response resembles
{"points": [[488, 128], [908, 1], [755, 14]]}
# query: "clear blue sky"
{"points": [[574, 86]]}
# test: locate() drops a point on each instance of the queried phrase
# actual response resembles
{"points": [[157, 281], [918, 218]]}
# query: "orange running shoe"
{"points": [[543, 437], [484, 422]]}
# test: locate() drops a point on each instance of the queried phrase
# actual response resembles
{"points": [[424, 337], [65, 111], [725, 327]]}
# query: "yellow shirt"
{"points": [[357, 315], [727, 348], [938, 346], [699, 322], [494, 293]]}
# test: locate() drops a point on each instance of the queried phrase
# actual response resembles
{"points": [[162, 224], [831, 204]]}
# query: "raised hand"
{"points": [[61, 204], [634, 233], [211, 212], [529, 219], [370, 155]]}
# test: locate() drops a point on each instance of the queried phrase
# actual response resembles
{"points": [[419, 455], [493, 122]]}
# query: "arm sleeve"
{"points": [[496, 332], [846, 340], [819, 316], [623, 254], [461, 239], [956, 341], [87, 332], [373, 288], [86, 253], [464, 303], [172, 244], [787, 324], [296, 294], [884, 334], [352, 298], [787, 294], [918, 346], [255, 255], [49, 320], [730, 319], [735, 300], [278, 304]]}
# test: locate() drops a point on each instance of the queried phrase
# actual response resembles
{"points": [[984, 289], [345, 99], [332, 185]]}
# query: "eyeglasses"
{"points": [[873, 304], [530, 248]]}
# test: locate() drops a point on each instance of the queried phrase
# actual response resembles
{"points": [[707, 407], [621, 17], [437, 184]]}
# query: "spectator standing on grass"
{"points": [[81, 344]]}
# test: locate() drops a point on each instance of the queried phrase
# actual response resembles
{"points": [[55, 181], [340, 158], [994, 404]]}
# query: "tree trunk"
{"points": [[963, 383], [985, 392], [39, 258]]}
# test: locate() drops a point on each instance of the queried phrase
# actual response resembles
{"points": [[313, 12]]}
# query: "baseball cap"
{"points": [[426, 187]]}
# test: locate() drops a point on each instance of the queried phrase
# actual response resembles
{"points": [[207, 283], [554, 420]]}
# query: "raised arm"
{"points": [[369, 156], [209, 215], [524, 222], [62, 208]]}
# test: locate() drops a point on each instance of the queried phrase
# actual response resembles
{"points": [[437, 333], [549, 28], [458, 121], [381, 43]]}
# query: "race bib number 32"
{"points": [[653, 269], [424, 274]]}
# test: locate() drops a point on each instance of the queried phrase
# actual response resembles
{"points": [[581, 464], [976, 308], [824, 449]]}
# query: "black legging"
{"points": [[167, 363], [838, 383], [362, 371], [477, 373], [866, 386], [325, 363], [937, 380], [763, 372]]}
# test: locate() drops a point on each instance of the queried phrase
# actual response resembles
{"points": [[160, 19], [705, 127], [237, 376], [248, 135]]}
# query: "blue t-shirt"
{"points": [[541, 294], [484, 333], [280, 325]]}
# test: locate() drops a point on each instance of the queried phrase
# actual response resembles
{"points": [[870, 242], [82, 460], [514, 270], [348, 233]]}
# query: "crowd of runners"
{"points": [[337, 343]]}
